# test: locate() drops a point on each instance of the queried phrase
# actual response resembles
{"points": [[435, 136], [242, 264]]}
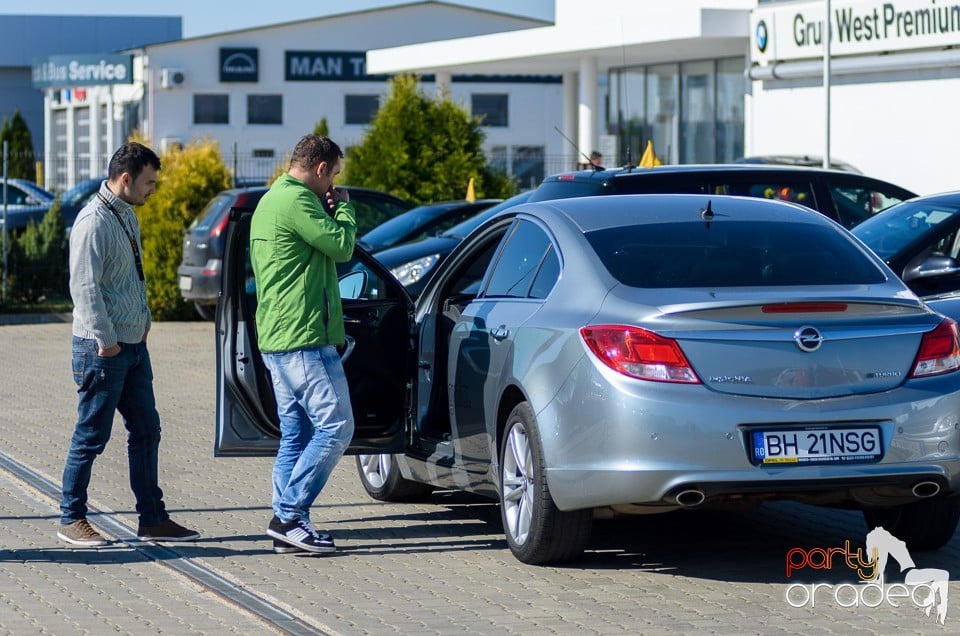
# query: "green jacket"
{"points": [[294, 245]]}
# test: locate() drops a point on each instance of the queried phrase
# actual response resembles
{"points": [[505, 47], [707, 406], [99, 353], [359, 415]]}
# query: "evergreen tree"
{"points": [[188, 179], [423, 149], [20, 156]]}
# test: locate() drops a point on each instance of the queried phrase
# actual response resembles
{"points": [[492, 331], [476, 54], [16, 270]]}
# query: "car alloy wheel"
{"points": [[536, 530], [381, 478], [375, 469], [517, 487]]}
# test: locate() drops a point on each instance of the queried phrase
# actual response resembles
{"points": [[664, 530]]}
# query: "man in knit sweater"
{"points": [[111, 366], [301, 228]]}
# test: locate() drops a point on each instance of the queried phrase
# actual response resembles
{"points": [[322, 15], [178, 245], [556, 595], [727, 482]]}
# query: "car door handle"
{"points": [[500, 333], [348, 349]]}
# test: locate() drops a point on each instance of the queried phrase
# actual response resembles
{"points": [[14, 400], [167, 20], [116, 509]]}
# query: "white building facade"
{"points": [[893, 90], [257, 91]]}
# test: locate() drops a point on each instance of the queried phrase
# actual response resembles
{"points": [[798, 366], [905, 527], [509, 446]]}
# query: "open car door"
{"points": [[379, 361]]}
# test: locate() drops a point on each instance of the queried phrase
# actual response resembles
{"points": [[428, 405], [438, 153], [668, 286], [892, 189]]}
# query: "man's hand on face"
{"points": [[334, 194]]}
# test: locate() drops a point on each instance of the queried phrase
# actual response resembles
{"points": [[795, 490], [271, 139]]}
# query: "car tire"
{"points": [[207, 312], [537, 531], [924, 525], [381, 478]]}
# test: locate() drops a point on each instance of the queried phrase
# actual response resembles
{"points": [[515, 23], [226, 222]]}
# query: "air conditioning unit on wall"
{"points": [[172, 77]]}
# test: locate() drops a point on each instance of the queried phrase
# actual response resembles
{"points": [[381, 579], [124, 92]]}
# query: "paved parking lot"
{"points": [[439, 567]]}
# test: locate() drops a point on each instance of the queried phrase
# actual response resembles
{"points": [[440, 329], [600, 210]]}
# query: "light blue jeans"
{"points": [[316, 425]]}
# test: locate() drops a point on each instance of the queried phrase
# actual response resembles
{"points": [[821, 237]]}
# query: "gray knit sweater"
{"points": [[109, 299]]}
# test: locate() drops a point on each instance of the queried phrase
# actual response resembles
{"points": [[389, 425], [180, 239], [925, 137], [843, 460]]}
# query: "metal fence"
{"points": [[61, 172]]}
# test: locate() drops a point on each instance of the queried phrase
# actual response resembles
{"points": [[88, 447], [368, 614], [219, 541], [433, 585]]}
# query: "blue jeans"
{"points": [[316, 425], [106, 385]]}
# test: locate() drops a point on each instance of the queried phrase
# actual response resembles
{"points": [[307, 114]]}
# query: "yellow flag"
{"points": [[471, 195], [649, 159]]}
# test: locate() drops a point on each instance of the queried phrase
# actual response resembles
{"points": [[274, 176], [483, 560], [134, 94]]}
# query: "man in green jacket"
{"points": [[302, 227]]}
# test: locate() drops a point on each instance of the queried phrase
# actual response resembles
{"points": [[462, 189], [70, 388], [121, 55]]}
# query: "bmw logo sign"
{"points": [[761, 36]]}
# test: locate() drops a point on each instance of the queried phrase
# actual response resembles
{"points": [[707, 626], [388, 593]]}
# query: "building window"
{"points": [[264, 109], [693, 113], [360, 109], [211, 109], [698, 126], [491, 109]]}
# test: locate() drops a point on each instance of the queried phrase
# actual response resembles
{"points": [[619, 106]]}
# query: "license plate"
{"points": [[186, 283], [819, 446]]}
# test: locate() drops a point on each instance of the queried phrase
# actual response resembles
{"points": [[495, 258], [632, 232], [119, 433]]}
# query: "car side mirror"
{"points": [[352, 284], [933, 267]]}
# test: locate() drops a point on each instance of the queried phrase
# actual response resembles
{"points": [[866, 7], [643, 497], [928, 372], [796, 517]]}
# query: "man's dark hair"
{"points": [[133, 158], [312, 149]]}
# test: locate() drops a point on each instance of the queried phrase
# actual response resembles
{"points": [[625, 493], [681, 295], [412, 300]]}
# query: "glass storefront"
{"points": [[692, 112]]}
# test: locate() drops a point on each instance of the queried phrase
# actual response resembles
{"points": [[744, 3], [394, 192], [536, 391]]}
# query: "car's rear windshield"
{"points": [[697, 254], [212, 212]]}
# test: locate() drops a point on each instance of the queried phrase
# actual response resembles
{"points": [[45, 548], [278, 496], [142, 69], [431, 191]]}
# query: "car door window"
{"points": [[856, 202], [519, 261], [547, 275], [780, 189]]}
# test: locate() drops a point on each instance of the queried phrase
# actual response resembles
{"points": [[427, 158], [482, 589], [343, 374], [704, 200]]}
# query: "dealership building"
{"points": [[704, 80]]}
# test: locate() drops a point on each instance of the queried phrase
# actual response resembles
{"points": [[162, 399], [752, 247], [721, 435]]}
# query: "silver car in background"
{"points": [[638, 354]]}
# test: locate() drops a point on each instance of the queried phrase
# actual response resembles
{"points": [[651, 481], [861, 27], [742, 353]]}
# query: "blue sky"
{"points": [[202, 17]]}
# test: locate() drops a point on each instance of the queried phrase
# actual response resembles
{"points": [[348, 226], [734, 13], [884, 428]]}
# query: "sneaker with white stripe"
{"points": [[299, 533]]}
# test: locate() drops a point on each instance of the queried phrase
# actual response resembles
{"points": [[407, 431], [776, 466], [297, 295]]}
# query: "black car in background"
{"points": [[843, 196], [411, 263], [421, 222], [846, 197], [199, 270], [74, 199]]}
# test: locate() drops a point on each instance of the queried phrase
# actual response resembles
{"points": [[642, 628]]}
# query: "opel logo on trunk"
{"points": [[808, 338]]}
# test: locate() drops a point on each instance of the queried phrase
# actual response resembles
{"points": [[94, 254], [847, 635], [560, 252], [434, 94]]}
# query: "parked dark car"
{"points": [[199, 270], [421, 222], [633, 354], [25, 202], [411, 263], [74, 199], [920, 240], [845, 197], [842, 196]]}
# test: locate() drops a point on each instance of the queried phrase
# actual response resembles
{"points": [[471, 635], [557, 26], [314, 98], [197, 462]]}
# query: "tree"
{"points": [[322, 128], [38, 259], [423, 149], [20, 148], [189, 178]]}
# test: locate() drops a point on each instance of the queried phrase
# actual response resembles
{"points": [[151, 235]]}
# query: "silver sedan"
{"points": [[636, 354]]}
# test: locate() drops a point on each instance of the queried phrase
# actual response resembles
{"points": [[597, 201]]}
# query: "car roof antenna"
{"points": [[575, 147], [707, 214]]}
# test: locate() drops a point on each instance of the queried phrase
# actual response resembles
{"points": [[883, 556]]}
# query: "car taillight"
{"points": [[221, 227], [939, 351], [639, 353]]}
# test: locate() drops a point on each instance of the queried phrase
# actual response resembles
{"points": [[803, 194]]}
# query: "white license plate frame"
{"points": [[832, 445], [186, 283]]}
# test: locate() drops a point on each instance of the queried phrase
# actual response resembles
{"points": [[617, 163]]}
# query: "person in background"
{"points": [[111, 365], [295, 243], [596, 161]]}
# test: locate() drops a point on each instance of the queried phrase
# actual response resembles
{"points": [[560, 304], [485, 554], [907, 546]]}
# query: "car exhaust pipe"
{"points": [[690, 498], [926, 489]]}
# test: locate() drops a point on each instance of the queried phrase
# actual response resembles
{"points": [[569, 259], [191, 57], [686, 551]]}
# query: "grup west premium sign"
{"points": [[795, 31], [82, 70]]}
